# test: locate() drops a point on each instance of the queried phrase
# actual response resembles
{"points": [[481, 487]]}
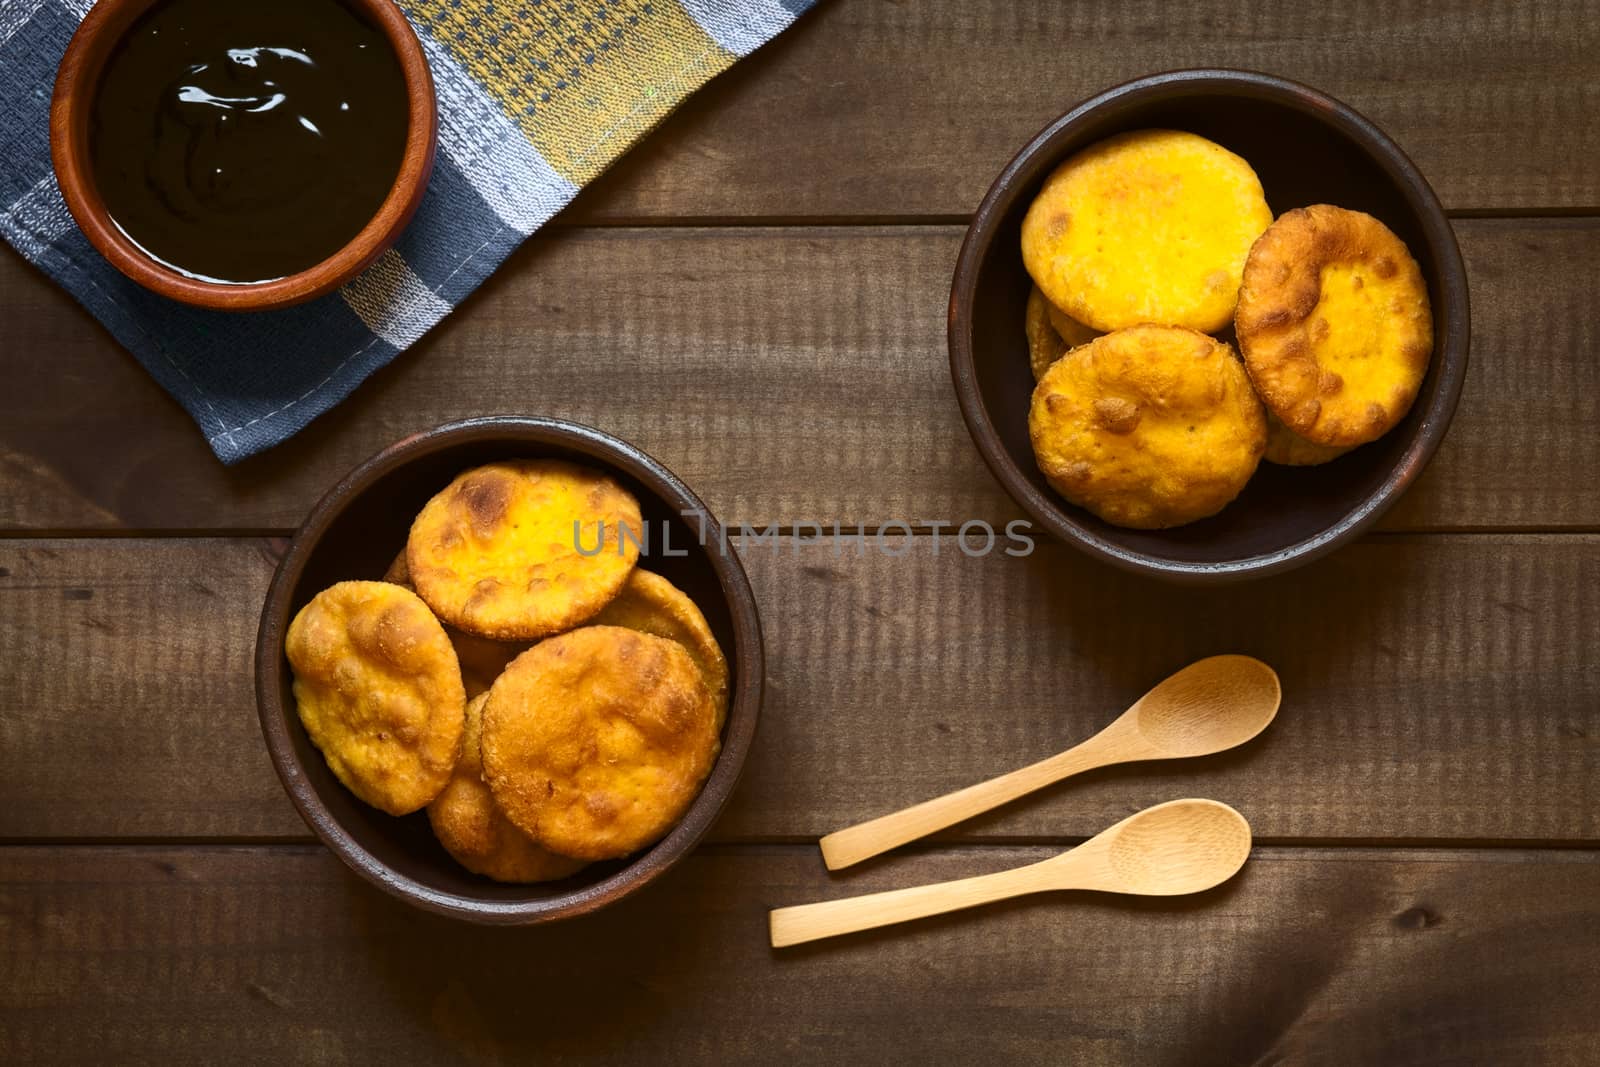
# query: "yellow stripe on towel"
{"points": [[583, 79]]}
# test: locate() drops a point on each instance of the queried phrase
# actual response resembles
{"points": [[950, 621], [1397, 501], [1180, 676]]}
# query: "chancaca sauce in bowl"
{"points": [[243, 142]]}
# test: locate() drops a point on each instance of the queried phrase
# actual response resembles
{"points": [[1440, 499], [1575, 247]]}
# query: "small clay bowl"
{"points": [[70, 110], [1307, 148], [356, 531]]}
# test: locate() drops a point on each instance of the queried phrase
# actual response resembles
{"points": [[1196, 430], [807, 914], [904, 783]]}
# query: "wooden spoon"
{"points": [[1210, 706], [1183, 846]]}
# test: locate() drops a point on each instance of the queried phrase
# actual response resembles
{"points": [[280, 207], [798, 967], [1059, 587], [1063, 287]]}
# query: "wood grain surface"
{"points": [[1310, 956], [757, 296], [788, 374], [874, 109], [1434, 688]]}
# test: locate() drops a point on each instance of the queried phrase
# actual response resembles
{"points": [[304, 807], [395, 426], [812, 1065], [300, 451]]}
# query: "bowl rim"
{"points": [[1451, 349], [73, 99], [744, 704]]}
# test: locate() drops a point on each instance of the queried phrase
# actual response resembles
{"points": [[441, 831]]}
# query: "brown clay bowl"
{"points": [[1307, 148], [358, 528], [70, 110]]}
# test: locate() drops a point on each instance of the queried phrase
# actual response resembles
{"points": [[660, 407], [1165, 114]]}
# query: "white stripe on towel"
{"points": [[39, 218], [14, 14], [393, 302], [740, 26]]}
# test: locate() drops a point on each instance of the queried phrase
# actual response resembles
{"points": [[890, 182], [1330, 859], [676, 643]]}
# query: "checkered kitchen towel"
{"points": [[536, 98]]}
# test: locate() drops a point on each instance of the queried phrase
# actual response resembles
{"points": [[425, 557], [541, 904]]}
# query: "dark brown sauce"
{"points": [[246, 141]]}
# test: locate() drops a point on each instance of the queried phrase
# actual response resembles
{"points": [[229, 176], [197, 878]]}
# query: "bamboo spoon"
{"points": [[1183, 846], [1210, 706]]}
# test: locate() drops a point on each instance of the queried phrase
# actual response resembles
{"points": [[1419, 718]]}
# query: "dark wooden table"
{"points": [[756, 296]]}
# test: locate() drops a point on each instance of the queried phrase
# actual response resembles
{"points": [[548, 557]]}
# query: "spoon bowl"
{"points": [[1186, 846], [1210, 706]]}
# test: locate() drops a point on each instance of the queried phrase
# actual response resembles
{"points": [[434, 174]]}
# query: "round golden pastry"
{"points": [[1288, 449], [1073, 332], [379, 692], [1051, 333], [524, 548], [596, 742], [481, 658], [1148, 427], [1045, 344], [1334, 324], [1150, 226], [652, 605], [474, 830], [398, 573]]}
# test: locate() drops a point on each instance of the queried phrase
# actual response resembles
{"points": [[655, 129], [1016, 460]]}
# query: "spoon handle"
{"points": [[809, 922], [865, 840]]}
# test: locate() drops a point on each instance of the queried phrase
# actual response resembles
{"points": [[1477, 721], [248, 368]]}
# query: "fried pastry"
{"points": [[379, 692], [398, 573], [481, 658], [652, 605], [597, 741], [1288, 449], [1334, 324], [524, 548], [1051, 333], [1045, 345], [1148, 427], [1073, 332], [474, 830], [1151, 226]]}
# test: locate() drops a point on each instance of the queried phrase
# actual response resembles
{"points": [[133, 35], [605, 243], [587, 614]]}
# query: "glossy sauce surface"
{"points": [[244, 142]]}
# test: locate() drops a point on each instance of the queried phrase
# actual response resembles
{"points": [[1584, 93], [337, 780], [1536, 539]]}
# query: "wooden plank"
{"points": [[783, 374], [146, 673], [1319, 957], [883, 110], [1437, 688], [787, 374]]}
